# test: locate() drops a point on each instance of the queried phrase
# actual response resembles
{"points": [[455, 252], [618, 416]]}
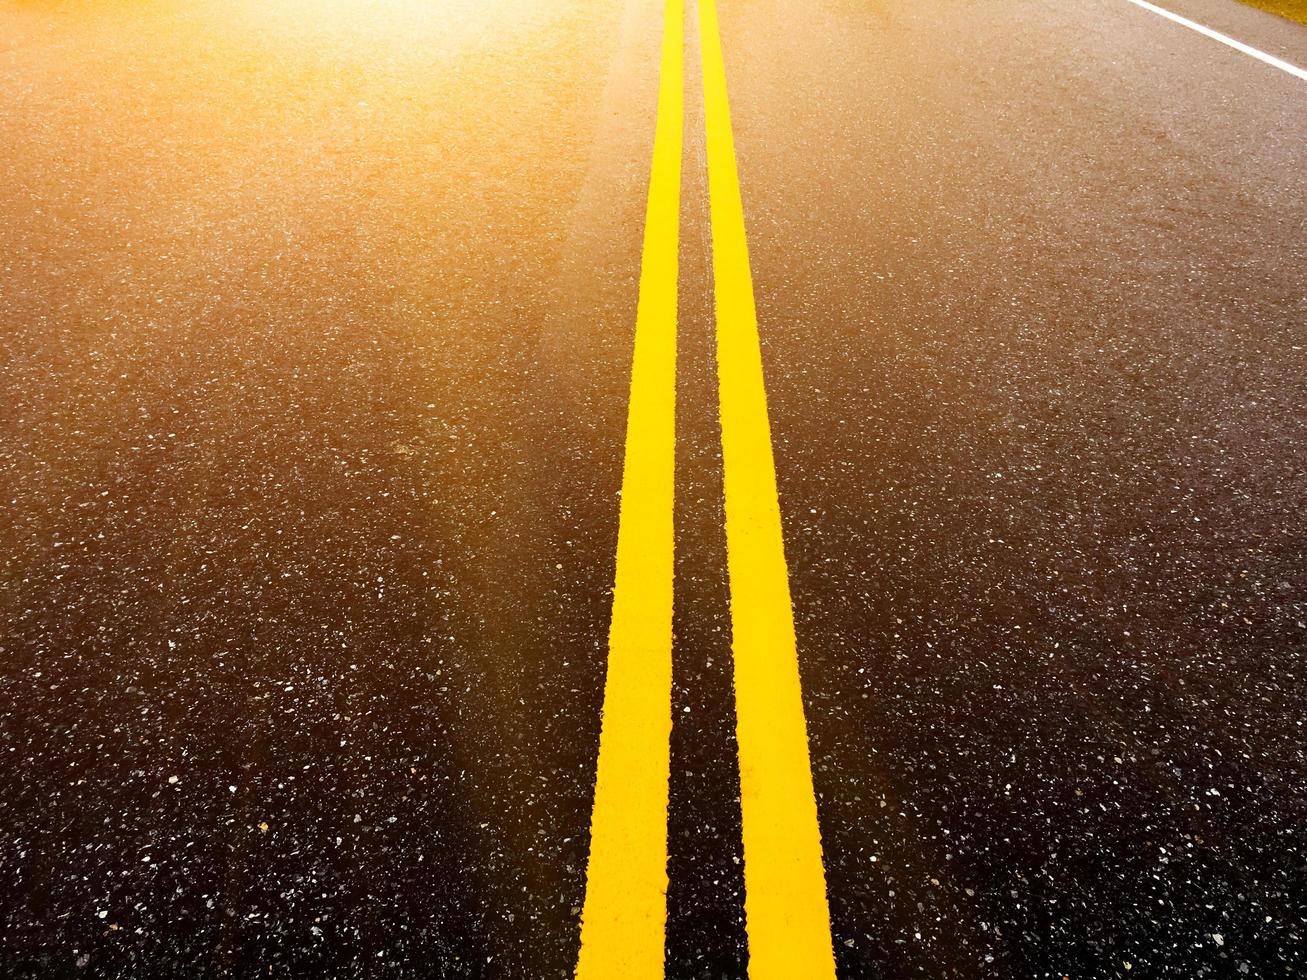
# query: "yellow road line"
{"points": [[787, 917], [624, 918]]}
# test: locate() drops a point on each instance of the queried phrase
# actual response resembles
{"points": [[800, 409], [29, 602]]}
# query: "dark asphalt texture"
{"points": [[315, 337]]}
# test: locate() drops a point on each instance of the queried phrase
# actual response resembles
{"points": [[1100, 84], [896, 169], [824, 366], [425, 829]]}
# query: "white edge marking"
{"points": [[1293, 70]]}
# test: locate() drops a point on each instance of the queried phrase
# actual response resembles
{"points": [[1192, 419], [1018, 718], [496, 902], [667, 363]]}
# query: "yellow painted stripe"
{"points": [[624, 918], [785, 906]]}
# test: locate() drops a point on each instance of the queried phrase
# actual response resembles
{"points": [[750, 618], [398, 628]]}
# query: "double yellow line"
{"points": [[623, 920]]}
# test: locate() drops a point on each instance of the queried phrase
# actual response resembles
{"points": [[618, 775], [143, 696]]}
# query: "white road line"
{"points": [[1275, 62]]}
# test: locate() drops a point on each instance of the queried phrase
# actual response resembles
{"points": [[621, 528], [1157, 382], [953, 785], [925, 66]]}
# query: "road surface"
{"points": [[319, 354]]}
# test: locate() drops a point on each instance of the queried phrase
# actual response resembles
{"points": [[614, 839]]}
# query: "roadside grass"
{"points": [[1289, 9]]}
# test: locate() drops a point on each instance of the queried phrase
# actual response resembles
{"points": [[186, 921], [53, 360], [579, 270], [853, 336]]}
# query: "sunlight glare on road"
{"points": [[641, 489], [386, 29]]}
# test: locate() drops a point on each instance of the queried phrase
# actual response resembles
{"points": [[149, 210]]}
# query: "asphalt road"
{"points": [[316, 350]]}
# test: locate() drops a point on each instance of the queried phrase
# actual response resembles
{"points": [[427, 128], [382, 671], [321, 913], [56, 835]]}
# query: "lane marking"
{"points": [[786, 913], [623, 921], [1270, 59]]}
